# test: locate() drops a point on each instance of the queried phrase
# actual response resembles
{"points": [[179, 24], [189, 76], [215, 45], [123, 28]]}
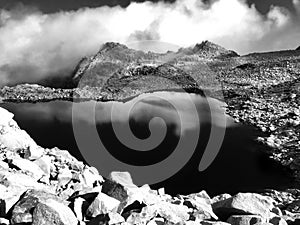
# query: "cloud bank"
{"points": [[36, 45]]}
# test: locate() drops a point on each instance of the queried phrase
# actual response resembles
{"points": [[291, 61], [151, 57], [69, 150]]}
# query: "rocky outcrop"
{"points": [[207, 49], [49, 186]]}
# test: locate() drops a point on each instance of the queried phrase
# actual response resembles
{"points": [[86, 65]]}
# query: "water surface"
{"points": [[241, 164]]}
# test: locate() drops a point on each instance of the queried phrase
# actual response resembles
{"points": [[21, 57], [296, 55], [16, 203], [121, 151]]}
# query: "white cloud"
{"points": [[36, 45]]}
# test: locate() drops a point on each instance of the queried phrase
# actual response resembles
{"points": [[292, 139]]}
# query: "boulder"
{"points": [[203, 210], [53, 212], [171, 212], [277, 221], [4, 221], [220, 197], [146, 214], [22, 211], [91, 177], [123, 178], [14, 184], [102, 204], [245, 220], [244, 203], [12, 137]]}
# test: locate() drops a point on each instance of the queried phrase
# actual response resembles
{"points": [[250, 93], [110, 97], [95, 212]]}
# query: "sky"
{"points": [[45, 38]]}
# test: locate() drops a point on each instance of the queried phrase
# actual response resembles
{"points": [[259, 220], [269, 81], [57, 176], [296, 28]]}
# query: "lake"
{"points": [[128, 129]]}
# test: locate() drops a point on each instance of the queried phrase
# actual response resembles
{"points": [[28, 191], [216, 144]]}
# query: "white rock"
{"points": [[102, 204], [28, 166]]}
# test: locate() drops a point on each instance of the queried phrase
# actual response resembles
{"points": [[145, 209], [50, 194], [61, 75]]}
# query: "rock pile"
{"points": [[48, 186]]}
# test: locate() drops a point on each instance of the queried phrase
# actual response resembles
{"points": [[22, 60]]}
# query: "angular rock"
{"points": [[102, 204], [123, 178], [220, 197], [115, 218], [4, 221], [277, 221], [78, 208], [244, 203], [99, 220], [22, 211], [115, 190], [203, 210], [91, 176], [29, 167], [147, 214], [245, 220], [45, 163], [171, 212], [11, 136], [13, 185], [64, 176], [53, 212]]}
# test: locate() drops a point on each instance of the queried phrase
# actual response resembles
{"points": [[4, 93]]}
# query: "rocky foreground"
{"points": [[48, 186]]}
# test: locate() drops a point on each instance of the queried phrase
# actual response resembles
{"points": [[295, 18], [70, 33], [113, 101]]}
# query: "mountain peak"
{"points": [[206, 45], [210, 48], [112, 45]]}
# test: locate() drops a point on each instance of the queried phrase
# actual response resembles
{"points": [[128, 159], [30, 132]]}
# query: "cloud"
{"points": [[36, 45]]}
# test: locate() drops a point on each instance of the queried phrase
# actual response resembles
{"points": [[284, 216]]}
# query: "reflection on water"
{"points": [[240, 165]]}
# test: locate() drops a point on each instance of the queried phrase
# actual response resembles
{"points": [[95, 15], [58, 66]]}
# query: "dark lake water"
{"points": [[239, 166]]}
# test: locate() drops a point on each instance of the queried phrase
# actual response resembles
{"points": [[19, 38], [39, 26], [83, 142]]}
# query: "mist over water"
{"points": [[240, 165]]}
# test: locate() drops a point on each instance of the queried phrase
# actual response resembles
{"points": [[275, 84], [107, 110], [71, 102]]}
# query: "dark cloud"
{"points": [[36, 45], [264, 6], [51, 6]]}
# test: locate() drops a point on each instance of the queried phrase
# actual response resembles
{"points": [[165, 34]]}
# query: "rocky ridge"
{"points": [[49, 186]]}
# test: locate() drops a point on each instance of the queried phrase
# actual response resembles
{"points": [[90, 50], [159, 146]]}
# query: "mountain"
{"points": [[114, 58], [298, 48], [209, 49]]}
